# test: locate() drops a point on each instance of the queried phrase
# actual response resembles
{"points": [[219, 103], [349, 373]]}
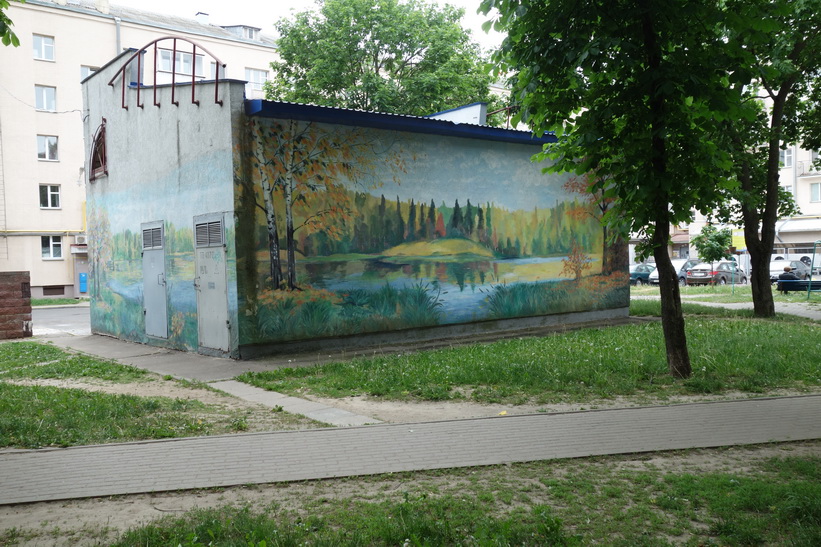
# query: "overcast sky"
{"points": [[263, 13]]}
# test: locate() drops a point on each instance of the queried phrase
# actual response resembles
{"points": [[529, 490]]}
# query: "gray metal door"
{"points": [[212, 289], [155, 303]]}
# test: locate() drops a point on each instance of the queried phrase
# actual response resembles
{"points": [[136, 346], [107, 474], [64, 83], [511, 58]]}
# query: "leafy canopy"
{"points": [[397, 56], [713, 244], [634, 90]]}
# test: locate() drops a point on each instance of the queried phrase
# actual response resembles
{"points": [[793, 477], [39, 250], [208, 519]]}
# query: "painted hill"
{"points": [[439, 247]]}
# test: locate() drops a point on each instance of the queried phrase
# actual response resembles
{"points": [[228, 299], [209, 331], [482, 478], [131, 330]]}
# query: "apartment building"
{"points": [[43, 168]]}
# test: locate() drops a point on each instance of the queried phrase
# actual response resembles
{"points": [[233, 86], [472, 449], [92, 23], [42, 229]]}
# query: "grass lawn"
{"points": [[606, 501], [56, 301], [727, 294], [729, 352], [34, 416]]}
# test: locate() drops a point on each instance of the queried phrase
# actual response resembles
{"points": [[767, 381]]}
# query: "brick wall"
{"points": [[15, 305]]}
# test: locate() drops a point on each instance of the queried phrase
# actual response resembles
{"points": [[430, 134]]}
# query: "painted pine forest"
{"points": [[340, 245]]}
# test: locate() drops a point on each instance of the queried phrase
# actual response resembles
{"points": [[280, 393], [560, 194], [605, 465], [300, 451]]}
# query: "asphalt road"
{"points": [[74, 320]]}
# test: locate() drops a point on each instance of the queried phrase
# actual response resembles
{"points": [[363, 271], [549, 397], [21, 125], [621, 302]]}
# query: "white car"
{"points": [[680, 265]]}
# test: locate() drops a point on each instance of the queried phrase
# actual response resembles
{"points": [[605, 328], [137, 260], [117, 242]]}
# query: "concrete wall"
{"points": [[170, 164], [15, 305]]}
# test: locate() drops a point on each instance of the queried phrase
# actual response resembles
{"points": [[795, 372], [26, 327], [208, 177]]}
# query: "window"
{"points": [[45, 98], [43, 47], [49, 196], [182, 64], [99, 165], [256, 78], [785, 157], [86, 71], [52, 246], [47, 147], [815, 191], [250, 33]]}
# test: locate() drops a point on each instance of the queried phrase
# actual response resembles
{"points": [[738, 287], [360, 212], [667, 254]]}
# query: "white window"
{"points": [[45, 98], [815, 191], [256, 78], [250, 32], [47, 147], [52, 246], [785, 157], [49, 196], [86, 71], [43, 47], [182, 63]]}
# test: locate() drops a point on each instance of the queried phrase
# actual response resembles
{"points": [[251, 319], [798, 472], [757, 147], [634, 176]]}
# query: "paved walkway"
{"points": [[178, 464]]}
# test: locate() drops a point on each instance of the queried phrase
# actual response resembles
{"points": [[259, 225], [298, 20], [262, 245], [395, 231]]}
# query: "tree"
{"points": [[713, 244], [397, 56], [634, 90], [7, 35], [775, 44]]}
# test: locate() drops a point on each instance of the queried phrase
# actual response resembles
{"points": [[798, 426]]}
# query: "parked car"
{"points": [[720, 273], [680, 265], [640, 272], [798, 268]]}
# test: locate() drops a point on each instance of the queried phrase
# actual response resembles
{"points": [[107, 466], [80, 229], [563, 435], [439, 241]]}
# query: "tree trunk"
{"points": [[672, 317], [290, 242], [270, 219]]}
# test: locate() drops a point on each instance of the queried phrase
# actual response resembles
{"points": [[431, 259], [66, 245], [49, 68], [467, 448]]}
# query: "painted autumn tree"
{"points": [[99, 247], [303, 170], [397, 56], [633, 90], [596, 204]]}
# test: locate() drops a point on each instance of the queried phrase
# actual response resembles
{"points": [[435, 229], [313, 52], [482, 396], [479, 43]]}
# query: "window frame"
{"points": [[41, 98], [43, 150], [252, 83], [89, 69], [98, 162], [42, 52], [164, 63], [815, 192], [52, 196], [53, 243], [785, 157]]}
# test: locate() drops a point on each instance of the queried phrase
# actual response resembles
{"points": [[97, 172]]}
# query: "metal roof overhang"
{"points": [[799, 225], [392, 122]]}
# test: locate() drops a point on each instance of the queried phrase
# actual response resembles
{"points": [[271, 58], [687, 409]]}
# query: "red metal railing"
{"points": [[122, 73]]}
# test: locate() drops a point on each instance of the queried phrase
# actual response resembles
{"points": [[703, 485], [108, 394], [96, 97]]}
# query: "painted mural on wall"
{"points": [[349, 230], [116, 274]]}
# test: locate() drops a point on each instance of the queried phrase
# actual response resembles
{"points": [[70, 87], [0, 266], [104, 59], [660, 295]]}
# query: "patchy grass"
{"points": [[33, 416], [734, 354], [34, 360], [608, 501], [57, 301]]}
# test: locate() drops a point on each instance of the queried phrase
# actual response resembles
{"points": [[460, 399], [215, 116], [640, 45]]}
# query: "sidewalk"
{"points": [[203, 462]]}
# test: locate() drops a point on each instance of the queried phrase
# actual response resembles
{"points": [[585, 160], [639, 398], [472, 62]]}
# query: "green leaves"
{"points": [[384, 55], [7, 36]]}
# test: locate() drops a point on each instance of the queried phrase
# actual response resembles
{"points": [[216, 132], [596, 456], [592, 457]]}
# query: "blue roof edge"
{"points": [[395, 122]]}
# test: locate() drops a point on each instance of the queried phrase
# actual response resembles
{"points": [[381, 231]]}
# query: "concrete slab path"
{"points": [[178, 464]]}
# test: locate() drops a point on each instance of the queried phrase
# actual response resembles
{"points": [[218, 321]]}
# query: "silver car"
{"points": [[680, 265]]}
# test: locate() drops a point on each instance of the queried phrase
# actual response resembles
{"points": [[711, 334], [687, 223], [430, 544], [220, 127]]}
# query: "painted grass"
{"points": [[574, 502], [752, 356]]}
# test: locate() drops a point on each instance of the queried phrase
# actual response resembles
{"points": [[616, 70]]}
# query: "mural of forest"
{"points": [[348, 230]]}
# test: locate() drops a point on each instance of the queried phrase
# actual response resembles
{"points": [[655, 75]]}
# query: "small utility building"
{"points": [[237, 227]]}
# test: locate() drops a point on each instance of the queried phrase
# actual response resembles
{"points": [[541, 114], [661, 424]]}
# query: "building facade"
{"points": [[43, 167]]}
